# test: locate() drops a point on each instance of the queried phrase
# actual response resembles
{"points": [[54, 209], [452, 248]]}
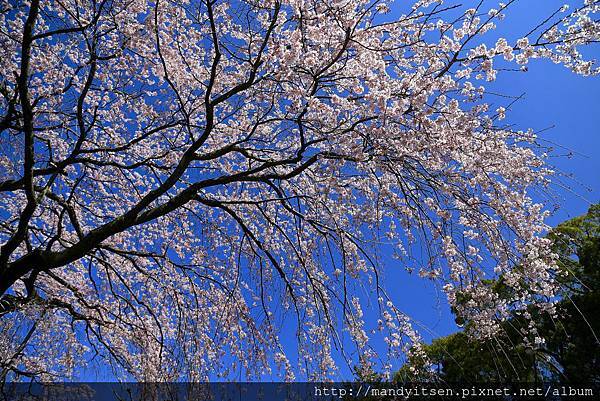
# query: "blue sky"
{"points": [[556, 97]]}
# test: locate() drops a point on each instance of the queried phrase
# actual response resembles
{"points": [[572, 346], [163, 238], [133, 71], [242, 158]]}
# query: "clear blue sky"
{"points": [[554, 96]]}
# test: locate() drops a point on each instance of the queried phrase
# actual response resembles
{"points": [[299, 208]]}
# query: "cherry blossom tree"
{"points": [[184, 182]]}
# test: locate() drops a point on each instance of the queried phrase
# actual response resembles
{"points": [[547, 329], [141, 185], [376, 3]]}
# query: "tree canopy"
{"points": [[183, 181]]}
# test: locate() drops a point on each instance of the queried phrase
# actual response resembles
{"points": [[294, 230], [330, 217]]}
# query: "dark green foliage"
{"points": [[575, 343]]}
